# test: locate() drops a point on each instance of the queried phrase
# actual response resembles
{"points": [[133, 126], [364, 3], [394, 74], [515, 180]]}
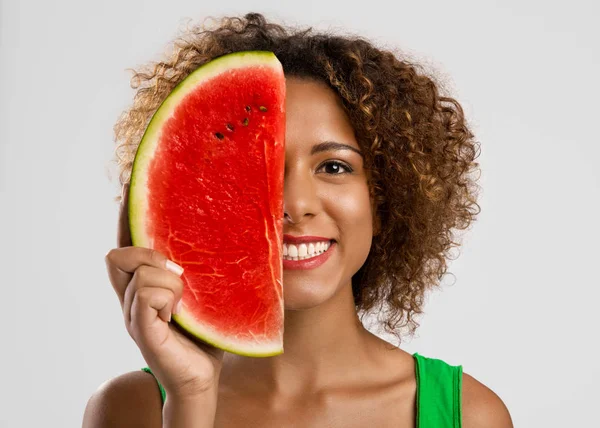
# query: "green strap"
{"points": [[163, 394], [439, 393]]}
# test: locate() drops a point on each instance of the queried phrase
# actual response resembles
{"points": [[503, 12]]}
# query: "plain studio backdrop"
{"points": [[519, 307]]}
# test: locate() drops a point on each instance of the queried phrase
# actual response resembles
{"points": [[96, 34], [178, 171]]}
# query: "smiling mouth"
{"points": [[306, 251]]}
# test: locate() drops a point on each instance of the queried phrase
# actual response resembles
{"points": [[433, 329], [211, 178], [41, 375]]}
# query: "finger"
{"points": [[121, 263], [123, 232], [151, 277], [150, 304]]}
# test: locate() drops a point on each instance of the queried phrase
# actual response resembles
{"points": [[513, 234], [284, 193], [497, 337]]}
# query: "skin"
{"points": [[333, 372]]}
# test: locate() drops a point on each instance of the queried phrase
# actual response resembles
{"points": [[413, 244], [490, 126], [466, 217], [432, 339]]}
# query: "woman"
{"points": [[388, 192]]}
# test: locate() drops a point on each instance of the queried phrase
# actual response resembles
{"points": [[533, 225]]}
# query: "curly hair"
{"points": [[418, 149]]}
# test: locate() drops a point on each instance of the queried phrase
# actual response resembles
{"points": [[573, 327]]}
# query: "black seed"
{"points": [[245, 122], [229, 126], [262, 108], [219, 135], [247, 108]]}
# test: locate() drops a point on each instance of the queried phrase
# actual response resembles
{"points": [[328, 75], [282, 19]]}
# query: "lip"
{"points": [[290, 239], [311, 263]]}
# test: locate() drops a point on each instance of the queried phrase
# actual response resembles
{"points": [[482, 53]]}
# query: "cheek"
{"points": [[353, 216]]}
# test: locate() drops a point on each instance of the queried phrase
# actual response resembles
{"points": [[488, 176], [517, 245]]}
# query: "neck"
{"points": [[323, 346]]}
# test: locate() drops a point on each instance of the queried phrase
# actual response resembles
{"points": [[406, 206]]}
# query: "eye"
{"points": [[335, 167]]}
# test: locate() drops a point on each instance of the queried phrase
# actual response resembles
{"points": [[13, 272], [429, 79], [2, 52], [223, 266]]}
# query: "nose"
{"points": [[300, 200]]}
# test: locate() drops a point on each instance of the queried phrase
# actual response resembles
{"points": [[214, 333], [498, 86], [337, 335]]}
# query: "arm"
{"points": [[192, 412], [481, 407], [132, 399]]}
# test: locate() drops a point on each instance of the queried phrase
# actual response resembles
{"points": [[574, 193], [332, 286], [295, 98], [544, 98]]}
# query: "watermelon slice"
{"points": [[207, 191]]}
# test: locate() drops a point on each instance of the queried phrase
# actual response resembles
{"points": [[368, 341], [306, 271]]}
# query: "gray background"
{"points": [[520, 312]]}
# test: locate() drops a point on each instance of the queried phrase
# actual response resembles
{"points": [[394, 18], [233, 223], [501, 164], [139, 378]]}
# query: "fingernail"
{"points": [[177, 307], [174, 267]]}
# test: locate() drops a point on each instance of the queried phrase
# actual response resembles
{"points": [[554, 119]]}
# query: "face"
{"points": [[325, 194]]}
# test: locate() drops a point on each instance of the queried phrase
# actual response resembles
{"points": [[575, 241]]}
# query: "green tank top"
{"points": [[439, 393]]}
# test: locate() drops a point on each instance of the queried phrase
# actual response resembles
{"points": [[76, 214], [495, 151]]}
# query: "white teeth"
{"points": [[304, 251], [292, 251]]}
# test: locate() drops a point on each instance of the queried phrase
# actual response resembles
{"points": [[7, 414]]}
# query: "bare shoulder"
{"points": [[481, 407], [129, 400]]}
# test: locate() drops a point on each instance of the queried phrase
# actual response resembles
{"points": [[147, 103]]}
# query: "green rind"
{"points": [[182, 320], [147, 147], [149, 140]]}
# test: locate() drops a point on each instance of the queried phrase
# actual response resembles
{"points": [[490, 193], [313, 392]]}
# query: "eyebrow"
{"points": [[332, 145]]}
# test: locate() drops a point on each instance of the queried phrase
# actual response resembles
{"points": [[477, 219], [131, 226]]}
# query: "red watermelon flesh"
{"points": [[207, 191]]}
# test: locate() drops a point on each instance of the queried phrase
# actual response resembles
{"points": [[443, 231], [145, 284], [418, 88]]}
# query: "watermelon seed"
{"points": [[262, 108], [247, 108], [219, 135], [245, 122], [230, 126]]}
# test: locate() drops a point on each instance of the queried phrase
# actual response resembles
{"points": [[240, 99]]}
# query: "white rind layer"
{"points": [[138, 192], [149, 143], [254, 348]]}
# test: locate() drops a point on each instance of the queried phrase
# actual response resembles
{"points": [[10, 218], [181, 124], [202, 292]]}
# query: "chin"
{"points": [[302, 294]]}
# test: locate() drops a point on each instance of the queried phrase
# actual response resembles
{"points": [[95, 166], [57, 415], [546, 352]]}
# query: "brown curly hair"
{"points": [[418, 149]]}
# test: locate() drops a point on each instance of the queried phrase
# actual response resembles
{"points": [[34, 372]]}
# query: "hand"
{"points": [[149, 291]]}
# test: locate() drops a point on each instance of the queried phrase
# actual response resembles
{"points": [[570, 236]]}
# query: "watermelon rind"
{"points": [[151, 137], [204, 333], [137, 206]]}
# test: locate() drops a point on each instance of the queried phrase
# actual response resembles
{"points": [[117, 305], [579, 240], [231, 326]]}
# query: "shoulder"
{"points": [[481, 407], [131, 399]]}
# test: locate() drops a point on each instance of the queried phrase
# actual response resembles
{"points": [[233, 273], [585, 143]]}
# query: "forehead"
{"points": [[314, 113]]}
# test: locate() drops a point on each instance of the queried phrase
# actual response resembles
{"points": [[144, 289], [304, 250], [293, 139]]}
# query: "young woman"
{"points": [[376, 160]]}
